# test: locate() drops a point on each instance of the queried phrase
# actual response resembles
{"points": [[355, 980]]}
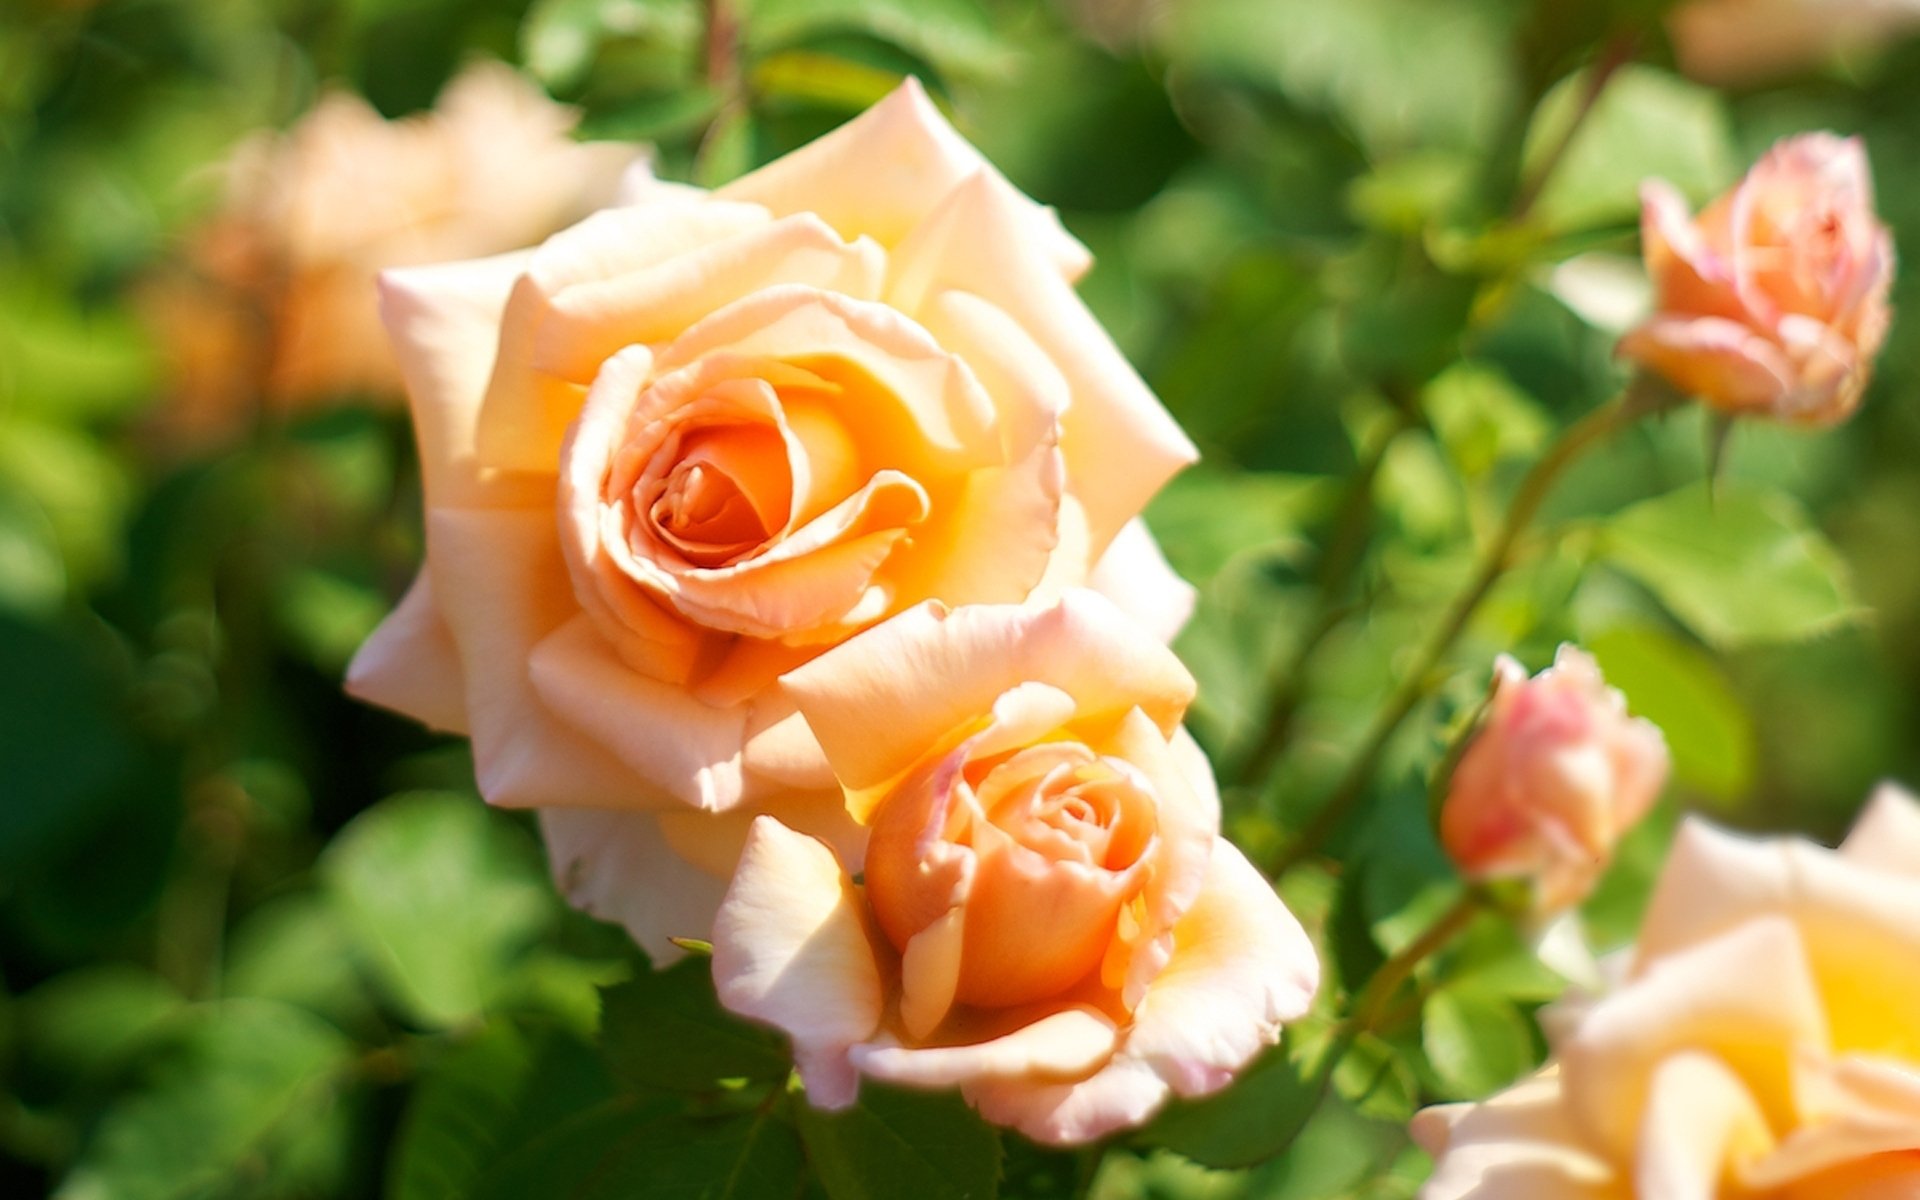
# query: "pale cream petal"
{"points": [[1856, 923], [1067, 1045], [1121, 1095], [411, 665], [444, 322], [884, 699], [1748, 997], [1135, 575], [525, 413], [1121, 445], [882, 172], [1241, 967], [1519, 1145], [790, 948], [618, 867], [502, 589], [1700, 1123], [586, 322], [676, 746], [1886, 835], [930, 973], [781, 747], [713, 841], [1851, 1110]]}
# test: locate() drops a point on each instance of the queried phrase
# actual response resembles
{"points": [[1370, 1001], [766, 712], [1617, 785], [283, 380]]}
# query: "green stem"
{"points": [[1337, 567], [1495, 558], [1618, 53]]}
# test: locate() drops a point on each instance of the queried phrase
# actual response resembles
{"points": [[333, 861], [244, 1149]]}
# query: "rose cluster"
{"points": [[759, 523]]}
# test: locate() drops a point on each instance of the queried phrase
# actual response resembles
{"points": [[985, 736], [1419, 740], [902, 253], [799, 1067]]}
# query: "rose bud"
{"points": [[1763, 1043], [689, 444], [1551, 780], [1773, 301], [1049, 919]]}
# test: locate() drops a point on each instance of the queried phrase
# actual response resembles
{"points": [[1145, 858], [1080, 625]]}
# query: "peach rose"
{"points": [[688, 445], [1049, 919], [1747, 41], [1556, 774], [1774, 300], [1765, 1043], [277, 296]]}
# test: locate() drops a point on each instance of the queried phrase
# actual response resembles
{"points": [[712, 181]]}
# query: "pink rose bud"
{"points": [[1552, 779], [1773, 300]]}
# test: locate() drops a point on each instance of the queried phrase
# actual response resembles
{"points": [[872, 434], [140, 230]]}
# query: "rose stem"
{"points": [[1636, 401], [1618, 53], [1342, 557]]}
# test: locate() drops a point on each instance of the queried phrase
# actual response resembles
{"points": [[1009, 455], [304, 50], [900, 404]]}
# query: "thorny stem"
{"points": [[1637, 401]]}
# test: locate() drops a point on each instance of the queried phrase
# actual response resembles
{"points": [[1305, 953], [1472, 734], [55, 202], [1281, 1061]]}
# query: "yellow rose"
{"points": [[277, 298], [1764, 1045], [687, 445], [1048, 918]]}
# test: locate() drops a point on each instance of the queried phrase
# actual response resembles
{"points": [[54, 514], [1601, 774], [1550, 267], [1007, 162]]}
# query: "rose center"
{"points": [[724, 497]]}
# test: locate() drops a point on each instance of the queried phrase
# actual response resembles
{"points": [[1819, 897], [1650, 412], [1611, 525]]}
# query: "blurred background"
{"points": [[259, 940]]}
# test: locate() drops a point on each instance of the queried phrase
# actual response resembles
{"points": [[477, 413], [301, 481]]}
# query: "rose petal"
{"points": [[1241, 966], [790, 948], [502, 589], [1519, 1145], [1699, 1120], [679, 749], [444, 322], [1887, 833], [881, 172], [928, 672], [976, 242], [411, 665], [1135, 575], [597, 856], [1703, 999], [1120, 1095], [1715, 358], [1856, 925], [1069, 1044]]}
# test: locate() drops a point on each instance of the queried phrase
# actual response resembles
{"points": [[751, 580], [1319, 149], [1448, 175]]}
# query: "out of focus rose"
{"points": [[1773, 301], [275, 299], [1554, 776], [686, 446], [1765, 1043], [1747, 41], [1049, 919]]}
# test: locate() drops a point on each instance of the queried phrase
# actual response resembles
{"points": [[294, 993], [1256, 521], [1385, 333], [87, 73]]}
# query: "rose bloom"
{"points": [[1556, 774], [276, 297], [1049, 919], [1749, 41], [1773, 301], [688, 445], [1765, 1043]]}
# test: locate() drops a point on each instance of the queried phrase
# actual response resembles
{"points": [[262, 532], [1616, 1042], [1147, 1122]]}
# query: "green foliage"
{"points": [[1475, 1041], [1737, 564], [441, 898], [1255, 1118], [666, 1029], [242, 1094], [1680, 689], [894, 1142]]}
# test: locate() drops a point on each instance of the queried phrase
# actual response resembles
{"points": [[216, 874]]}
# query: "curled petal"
{"points": [[1721, 360], [790, 948], [1069, 1044]]}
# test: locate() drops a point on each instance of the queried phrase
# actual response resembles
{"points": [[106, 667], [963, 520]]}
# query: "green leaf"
{"points": [[1646, 124], [954, 36], [295, 949], [1400, 73], [87, 1022], [1476, 1042], [666, 1029], [1671, 683], [626, 1151], [1739, 565], [442, 897], [1482, 419], [245, 1088], [1255, 1118], [561, 39], [895, 1143]]}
